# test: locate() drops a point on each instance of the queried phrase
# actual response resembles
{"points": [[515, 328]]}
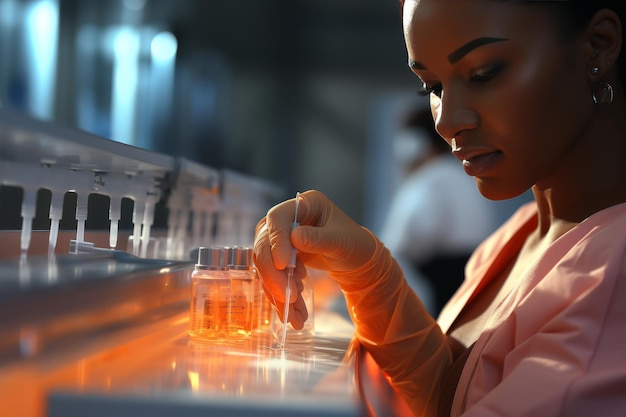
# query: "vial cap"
{"points": [[213, 257], [240, 257]]}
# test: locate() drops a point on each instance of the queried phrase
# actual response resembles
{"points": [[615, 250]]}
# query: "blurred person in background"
{"points": [[436, 217]]}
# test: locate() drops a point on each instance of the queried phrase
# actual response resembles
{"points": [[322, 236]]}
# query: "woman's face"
{"points": [[509, 96]]}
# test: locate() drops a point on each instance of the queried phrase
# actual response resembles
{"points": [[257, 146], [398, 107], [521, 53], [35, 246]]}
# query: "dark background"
{"points": [[303, 94]]}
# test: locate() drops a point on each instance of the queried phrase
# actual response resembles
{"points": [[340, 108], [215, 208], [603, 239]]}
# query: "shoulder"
{"points": [[597, 242]]}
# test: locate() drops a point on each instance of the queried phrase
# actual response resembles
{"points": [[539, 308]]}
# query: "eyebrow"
{"points": [[459, 53], [470, 46]]}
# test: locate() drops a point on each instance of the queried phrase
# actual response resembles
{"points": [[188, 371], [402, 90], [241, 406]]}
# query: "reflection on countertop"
{"points": [[250, 373], [108, 336]]}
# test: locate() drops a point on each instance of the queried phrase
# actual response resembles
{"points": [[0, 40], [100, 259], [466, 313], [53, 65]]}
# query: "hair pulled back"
{"points": [[572, 17]]}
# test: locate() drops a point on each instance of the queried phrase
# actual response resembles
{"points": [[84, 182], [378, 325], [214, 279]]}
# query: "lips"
{"points": [[477, 161]]}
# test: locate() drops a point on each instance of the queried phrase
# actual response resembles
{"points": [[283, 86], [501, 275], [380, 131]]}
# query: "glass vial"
{"points": [[210, 313], [243, 292], [264, 308]]}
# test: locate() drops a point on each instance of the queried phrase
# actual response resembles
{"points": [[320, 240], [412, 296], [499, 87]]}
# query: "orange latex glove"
{"points": [[327, 239], [395, 328], [391, 322]]}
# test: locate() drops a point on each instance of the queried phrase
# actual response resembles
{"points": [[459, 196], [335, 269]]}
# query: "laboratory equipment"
{"points": [[193, 203], [210, 314], [95, 330], [57, 198], [243, 201], [28, 214], [38, 154], [287, 331], [244, 289], [28, 178], [304, 335], [264, 308], [224, 302], [116, 186], [290, 268]]}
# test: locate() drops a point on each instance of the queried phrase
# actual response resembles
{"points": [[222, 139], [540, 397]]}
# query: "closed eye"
{"points": [[484, 75], [481, 76]]}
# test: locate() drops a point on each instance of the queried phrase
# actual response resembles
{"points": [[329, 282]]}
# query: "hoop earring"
{"points": [[602, 93]]}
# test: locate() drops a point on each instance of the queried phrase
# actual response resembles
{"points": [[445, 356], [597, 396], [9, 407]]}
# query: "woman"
{"points": [[529, 94]]}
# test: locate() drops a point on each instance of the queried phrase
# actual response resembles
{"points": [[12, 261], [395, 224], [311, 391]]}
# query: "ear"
{"points": [[604, 37]]}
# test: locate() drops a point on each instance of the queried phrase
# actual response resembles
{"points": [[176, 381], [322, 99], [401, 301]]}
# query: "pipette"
{"points": [[290, 268], [82, 204], [29, 200], [56, 212]]}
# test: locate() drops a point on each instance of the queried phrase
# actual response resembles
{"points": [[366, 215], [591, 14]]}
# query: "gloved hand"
{"points": [[391, 322], [327, 239]]}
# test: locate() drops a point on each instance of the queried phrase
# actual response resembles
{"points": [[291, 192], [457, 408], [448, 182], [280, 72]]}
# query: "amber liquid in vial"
{"points": [[211, 305], [242, 306], [242, 276], [263, 308]]}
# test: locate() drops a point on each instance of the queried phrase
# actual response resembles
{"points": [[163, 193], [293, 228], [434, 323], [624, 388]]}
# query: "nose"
{"points": [[452, 115]]}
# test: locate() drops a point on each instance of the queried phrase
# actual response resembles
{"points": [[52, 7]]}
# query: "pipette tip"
{"points": [[113, 231], [286, 311], [26, 234], [290, 268], [52, 239]]}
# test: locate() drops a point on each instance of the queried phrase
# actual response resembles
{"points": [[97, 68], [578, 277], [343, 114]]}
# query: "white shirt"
{"points": [[437, 210]]}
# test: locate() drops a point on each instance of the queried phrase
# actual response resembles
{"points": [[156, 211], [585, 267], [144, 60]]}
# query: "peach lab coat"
{"points": [[556, 345]]}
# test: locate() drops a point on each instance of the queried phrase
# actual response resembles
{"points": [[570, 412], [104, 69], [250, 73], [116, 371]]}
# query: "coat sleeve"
{"points": [[561, 351], [395, 328]]}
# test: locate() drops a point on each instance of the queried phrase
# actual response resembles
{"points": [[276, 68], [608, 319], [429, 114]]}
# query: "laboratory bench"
{"points": [[91, 331], [105, 333]]}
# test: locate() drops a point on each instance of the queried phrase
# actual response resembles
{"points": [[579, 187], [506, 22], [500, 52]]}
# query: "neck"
{"points": [[590, 178]]}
